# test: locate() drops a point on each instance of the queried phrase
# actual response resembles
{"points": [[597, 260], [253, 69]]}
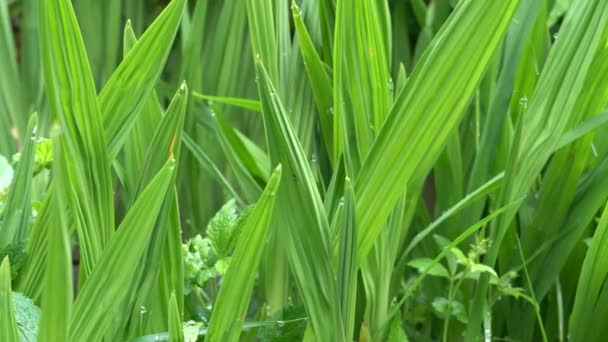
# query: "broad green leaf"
{"points": [[72, 98], [425, 119], [103, 294], [308, 233], [166, 142], [232, 302], [129, 87], [137, 142]]}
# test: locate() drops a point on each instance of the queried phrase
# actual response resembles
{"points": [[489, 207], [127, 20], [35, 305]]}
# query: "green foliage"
{"points": [[207, 258], [442, 170]]}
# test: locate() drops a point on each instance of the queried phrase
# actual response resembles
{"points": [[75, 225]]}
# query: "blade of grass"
{"points": [[103, 294], [8, 324], [419, 115], [57, 294], [552, 104], [232, 302], [252, 105], [176, 332], [72, 98], [347, 261], [309, 243], [16, 221], [129, 87]]}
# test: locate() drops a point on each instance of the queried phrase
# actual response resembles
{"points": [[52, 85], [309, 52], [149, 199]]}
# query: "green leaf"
{"points": [[552, 108], [129, 87], [347, 260], [589, 299], [319, 80], [17, 218], [447, 308], [8, 324], [231, 305], [475, 268], [100, 296], [425, 119], [434, 269], [72, 98], [58, 294], [176, 332], [220, 229], [309, 244], [252, 105]]}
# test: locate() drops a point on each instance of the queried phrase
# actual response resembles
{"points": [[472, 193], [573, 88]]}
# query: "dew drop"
{"points": [[330, 111], [524, 101], [210, 103], [280, 323]]}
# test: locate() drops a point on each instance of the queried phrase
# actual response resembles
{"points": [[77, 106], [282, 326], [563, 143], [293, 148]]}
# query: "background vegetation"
{"points": [[324, 170]]}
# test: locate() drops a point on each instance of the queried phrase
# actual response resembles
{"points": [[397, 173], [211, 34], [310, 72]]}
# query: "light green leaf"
{"points": [[16, 221], [117, 265], [176, 332], [72, 98], [434, 269], [58, 294], [232, 302], [424, 118], [8, 323], [130, 86], [220, 229]]}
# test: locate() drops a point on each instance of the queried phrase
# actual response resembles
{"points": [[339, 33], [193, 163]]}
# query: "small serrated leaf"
{"points": [[221, 228]]}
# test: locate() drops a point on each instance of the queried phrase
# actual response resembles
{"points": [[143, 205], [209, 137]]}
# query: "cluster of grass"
{"points": [[318, 170]]}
